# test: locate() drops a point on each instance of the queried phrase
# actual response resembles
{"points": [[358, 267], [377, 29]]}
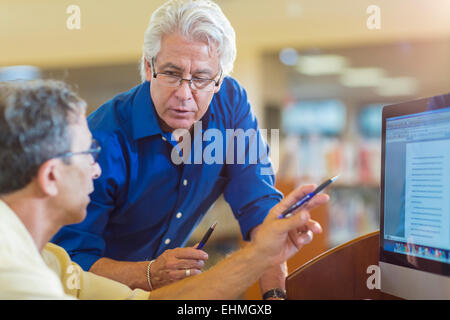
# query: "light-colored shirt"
{"points": [[25, 273]]}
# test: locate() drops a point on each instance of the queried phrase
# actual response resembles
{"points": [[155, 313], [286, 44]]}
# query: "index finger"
{"points": [[291, 199], [316, 201], [190, 253]]}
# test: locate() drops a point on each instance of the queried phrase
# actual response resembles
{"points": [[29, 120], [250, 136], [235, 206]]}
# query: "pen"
{"points": [[206, 236], [305, 199]]}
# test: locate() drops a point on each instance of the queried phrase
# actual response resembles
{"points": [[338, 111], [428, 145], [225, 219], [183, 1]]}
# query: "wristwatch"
{"points": [[275, 293]]}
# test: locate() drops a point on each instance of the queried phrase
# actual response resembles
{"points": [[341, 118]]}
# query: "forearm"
{"points": [[132, 274], [275, 277], [226, 280]]}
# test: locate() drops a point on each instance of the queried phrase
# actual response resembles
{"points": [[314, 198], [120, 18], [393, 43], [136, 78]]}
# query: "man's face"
{"points": [[180, 107], [77, 177]]}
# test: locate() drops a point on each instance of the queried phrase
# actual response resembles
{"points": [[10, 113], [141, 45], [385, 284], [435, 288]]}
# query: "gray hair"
{"points": [[34, 127], [199, 20]]}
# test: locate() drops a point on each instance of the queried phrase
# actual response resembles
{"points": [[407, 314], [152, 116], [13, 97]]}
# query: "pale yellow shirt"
{"points": [[27, 274]]}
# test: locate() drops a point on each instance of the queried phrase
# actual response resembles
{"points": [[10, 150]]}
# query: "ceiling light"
{"points": [[293, 9], [362, 77], [12, 73], [399, 86], [315, 65], [289, 56]]}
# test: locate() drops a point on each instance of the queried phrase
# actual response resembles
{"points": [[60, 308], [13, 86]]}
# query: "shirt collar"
{"points": [[144, 116]]}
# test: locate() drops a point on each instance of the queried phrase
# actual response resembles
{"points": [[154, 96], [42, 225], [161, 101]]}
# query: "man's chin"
{"points": [[182, 124]]}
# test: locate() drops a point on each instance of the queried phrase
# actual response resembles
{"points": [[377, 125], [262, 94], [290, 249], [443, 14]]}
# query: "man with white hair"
{"points": [[146, 203]]}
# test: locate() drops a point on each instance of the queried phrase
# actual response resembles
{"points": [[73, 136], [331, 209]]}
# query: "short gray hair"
{"points": [[199, 20], [34, 127]]}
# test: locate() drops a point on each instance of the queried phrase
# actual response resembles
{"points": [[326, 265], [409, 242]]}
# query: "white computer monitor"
{"points": [[415, 199]]}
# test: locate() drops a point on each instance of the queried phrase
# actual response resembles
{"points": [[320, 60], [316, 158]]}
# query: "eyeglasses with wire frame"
{"points": [[94, 151], [174, 81]]}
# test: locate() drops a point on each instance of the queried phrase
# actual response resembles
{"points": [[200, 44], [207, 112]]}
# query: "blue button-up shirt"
{"points": [[144, 203]]}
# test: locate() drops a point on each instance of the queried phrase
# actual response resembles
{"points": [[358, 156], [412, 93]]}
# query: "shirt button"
{"points": [[167, 241], [179, 215], [185, 182]]}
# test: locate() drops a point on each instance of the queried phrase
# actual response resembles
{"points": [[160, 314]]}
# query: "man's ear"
{"points": [[216, 89], [148, 70], [47, 177]]}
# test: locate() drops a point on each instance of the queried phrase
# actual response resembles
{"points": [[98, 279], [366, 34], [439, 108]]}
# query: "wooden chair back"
{"points": [[339, 273]]}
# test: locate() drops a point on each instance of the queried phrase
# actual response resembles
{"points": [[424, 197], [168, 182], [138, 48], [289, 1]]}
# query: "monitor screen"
{"points": [[415, 199], [417, 185]]}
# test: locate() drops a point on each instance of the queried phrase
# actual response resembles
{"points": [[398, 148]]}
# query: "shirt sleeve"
{"points": [[251, 190], [84, 241], [86, 285]]}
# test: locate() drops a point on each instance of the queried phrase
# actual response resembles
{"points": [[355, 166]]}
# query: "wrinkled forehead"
{"points": [[178, 51]]}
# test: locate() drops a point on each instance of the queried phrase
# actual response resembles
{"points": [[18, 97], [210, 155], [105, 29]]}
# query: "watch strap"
{"points": [[275, 293]]}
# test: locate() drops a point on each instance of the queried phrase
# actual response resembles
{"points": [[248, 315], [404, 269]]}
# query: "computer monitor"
{"points": [[415, 199]]}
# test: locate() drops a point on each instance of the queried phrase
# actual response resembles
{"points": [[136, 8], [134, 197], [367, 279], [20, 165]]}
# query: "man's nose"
{"points": [[96, 171], [183, 91]]}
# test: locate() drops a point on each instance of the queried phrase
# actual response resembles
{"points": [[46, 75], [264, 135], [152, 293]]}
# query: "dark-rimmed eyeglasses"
{"points": [[94, 151], [174, 81]]}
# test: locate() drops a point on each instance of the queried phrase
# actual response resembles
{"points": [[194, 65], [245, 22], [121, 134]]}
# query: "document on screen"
{"points": [[427, 193]]}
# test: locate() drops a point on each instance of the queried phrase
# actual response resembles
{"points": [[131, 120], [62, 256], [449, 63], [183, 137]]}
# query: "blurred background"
{"points": [[317, 70]]}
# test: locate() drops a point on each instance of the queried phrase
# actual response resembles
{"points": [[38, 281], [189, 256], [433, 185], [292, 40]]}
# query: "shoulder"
{"points": [[231, 88], [231, 101], [111, 124], [24, 273], [116, 113]]}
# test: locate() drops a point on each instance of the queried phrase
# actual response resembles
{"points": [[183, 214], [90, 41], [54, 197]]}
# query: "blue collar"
{"points": [[144, 117]]}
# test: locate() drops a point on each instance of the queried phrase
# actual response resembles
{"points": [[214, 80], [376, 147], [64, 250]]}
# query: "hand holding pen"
{"points": [[179, 263], [305, 197], [304, 200]]}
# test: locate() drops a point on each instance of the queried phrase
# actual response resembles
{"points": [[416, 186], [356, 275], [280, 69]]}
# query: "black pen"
{"points": [[206, 236], [305, 199]]}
